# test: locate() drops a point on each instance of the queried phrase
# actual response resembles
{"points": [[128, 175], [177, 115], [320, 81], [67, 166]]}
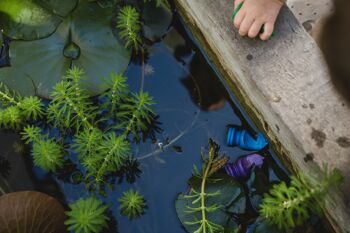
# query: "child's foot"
{"points": [[257, 13]]}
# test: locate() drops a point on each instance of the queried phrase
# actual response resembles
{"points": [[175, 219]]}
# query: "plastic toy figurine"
{"points": [[237, 136]]}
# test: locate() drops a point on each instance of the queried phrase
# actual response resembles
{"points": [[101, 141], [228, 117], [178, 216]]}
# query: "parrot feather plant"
{"points": [[290, 206], [101, 129]]}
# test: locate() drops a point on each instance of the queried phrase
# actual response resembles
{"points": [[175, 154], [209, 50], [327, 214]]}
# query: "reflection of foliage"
{"points": [[18, 147], [87, 216], [5, 167], [130, 170], [290, 206], [129, 25], [132, 204]]}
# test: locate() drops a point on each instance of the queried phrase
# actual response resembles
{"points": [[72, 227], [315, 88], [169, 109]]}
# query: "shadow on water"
{"points": [[193, 105]]}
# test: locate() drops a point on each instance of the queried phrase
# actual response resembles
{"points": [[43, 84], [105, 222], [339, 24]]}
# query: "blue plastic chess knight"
{"points": [[237, 136]]}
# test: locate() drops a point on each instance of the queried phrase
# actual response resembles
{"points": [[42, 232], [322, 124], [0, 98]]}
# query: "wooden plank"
{"points": [[285, 87]]}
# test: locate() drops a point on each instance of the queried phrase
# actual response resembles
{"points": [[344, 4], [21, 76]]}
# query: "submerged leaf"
{"points": [[21, 211], [226, 189]]}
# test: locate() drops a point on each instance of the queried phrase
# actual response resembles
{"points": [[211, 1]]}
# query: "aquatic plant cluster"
{"points": [[101, 130], [217, 190], [79, 119]]}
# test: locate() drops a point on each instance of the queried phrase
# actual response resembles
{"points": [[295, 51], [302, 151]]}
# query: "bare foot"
{"points": [[257, 13]]}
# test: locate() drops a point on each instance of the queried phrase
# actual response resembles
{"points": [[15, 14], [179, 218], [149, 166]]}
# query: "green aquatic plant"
{"points": [[100, 153], [113, 152], [136, 114], [11, 118], [47, 153], [16, 109], [87, 216], [32, 134], [129, 25], [290, 206], [32, 108], [7, 96], [198, 199], [71, 106], [87, 142], [132, 204], [14, 116], [117, 92]]}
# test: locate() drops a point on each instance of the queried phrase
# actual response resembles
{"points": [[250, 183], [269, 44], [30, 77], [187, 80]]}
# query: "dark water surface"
{"points": [[193, 106]]}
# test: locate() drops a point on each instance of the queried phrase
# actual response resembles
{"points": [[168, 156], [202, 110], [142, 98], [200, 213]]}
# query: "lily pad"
{"points": [[21, 211], [157, 20], [37, 66], [229, 190], [31, 20]]}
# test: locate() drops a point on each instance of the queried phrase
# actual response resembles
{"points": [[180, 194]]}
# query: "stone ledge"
{"points": [[284, 86]]}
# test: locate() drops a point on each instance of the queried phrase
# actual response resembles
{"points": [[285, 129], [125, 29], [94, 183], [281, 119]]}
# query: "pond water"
{"points": [[193, 106]]}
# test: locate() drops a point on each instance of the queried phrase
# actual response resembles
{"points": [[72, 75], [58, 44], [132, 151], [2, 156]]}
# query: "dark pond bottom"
{"points": [[193, 106]]}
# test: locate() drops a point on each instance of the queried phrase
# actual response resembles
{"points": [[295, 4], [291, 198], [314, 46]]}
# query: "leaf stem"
{"points": [[105, 162], [202, 194]]}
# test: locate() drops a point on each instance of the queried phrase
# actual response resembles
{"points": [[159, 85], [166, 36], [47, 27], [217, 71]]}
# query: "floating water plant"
{"points": [[130, 27], [47, 153], [71, 106], [101, 132], [17, 109], [202, 209], [132, 204], [290, 206], [87, 216]]}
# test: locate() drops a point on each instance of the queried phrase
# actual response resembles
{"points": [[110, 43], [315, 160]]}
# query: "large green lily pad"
{"points": [[86, 34], [229, 191], [32, 19]]}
